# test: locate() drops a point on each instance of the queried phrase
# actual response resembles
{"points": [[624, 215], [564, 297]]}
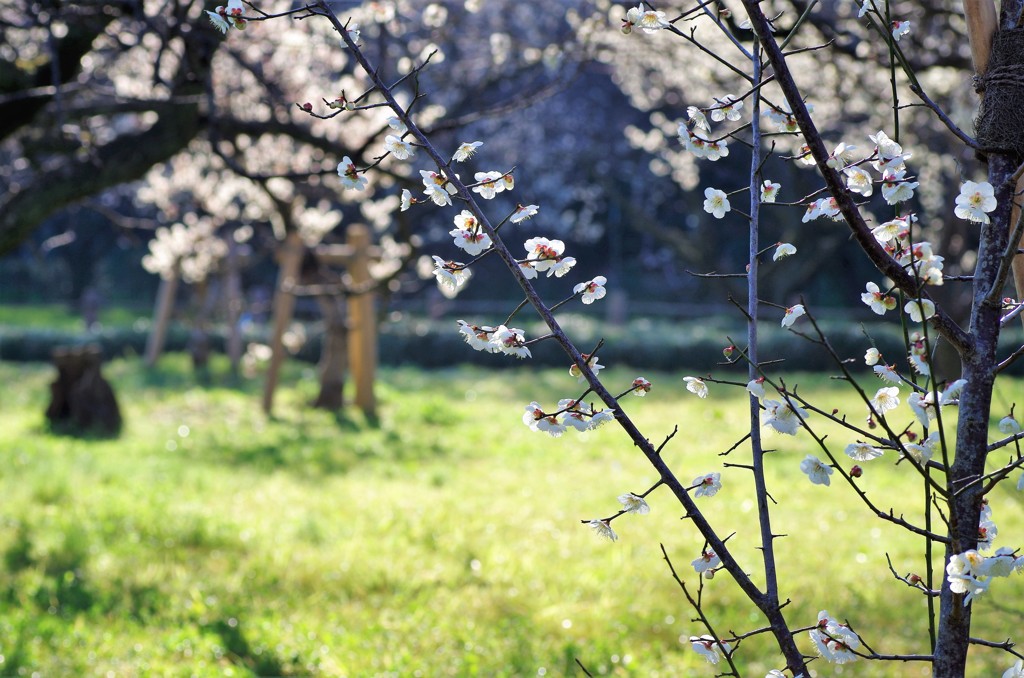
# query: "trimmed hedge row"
{"points": [[692, 345]]}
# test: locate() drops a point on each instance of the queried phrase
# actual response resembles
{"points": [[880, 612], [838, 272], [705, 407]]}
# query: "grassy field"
{"points": [[441, 540]]}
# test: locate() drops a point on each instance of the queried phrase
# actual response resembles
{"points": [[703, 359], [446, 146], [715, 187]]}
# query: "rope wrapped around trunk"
{"points": [[1000, 122]]}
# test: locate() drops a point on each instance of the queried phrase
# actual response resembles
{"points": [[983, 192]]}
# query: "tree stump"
{"points": [[81, 400]]}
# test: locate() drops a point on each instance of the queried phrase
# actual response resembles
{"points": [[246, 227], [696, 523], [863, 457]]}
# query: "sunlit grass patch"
{"points": [[442, 538]]}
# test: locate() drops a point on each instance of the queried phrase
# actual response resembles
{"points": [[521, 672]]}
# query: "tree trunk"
{"points": [[333, 355]]}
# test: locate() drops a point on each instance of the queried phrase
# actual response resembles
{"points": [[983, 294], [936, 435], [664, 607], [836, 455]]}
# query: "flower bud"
{"points": [[856, 472], [307, 107], [914, 579], [728, 351]]}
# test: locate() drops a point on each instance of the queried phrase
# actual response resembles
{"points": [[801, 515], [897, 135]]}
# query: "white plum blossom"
{"points": [[842, 155], [543, 253], [466, 150], [396, 124], [591, 290], [592, 363], [697, 118], [899, 29], [478, 337], [893, 229], [834, 641], [889, 154], [923, 406], [707, 485], [1015, 671], [1009, 425], [468, 235], [219, 22], [224, 18], [696, 386], [872, 356], [601, 417], [976, 199], [728, 108], [708, 560], [792, 313], [562, 266], [878, 301], [648, 20], [407, 199], [632, 503], [782, 416], [783, 250], [716, 202], [919, 310], [895, 189], [756, 388], [538, 420], [919, 453], [886, 398], [951, 394], [523, 212], [708, 647], [402, 150], [865, 7], [823, 207], [784, 119], [816, 470], [859, 181], [573, 415], [697, 142], [641, 387], [603, 529], [511, 341], [887, 373], [450, 274], [860, 451], [350, 177], [769, 190], [968, 574], [437, 188]]}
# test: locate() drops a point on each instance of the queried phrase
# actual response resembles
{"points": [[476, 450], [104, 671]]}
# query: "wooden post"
{"points": [[161, 316], [284, 307], [233, 297], [362, 345]]}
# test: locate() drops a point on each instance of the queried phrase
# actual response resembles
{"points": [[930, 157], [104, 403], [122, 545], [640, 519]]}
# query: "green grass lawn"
{"points": [[441, 540]]}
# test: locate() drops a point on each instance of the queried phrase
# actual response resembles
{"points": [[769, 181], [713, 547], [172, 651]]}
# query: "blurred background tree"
{"points": [[119, 117]]}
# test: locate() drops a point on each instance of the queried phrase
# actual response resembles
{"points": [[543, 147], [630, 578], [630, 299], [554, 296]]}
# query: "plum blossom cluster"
{"points": [[970, 573], [570, 414], [544, 255], [500, 339], [835, 642], [888, 160]]}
